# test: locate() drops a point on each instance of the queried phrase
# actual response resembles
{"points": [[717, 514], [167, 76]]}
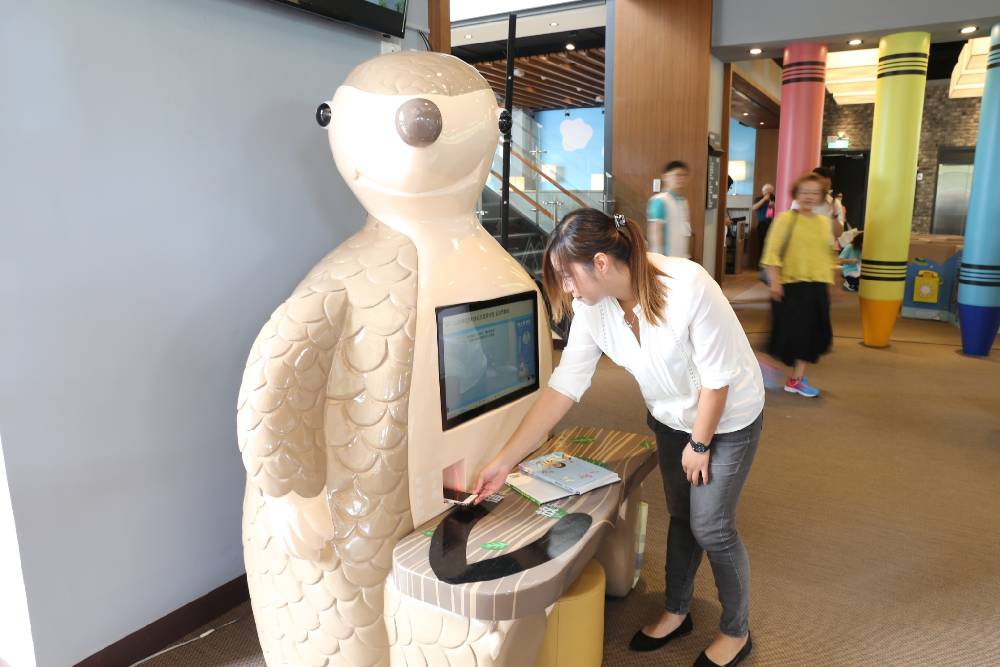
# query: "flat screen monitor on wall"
{"points": [[487, 355], [385, 16]]}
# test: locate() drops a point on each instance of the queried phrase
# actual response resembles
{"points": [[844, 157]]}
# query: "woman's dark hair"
{"points": [[675, 164], [825, 172], [858, 241], [583, 233]]}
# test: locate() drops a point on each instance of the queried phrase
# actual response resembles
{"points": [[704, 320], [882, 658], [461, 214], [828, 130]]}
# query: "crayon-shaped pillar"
{"points": [[892, 175], [800, 133], [979, 275]]}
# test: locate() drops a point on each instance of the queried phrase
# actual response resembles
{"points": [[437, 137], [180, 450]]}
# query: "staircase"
{"points": [[533, 214], [526, 239]]}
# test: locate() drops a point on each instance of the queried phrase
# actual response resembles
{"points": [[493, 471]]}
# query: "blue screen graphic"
{"points": [[488, 354]]}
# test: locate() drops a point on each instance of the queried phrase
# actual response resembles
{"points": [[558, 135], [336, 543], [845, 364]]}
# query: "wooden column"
{"points": [[719, 270], [439, 17], [765, 166], [765, 169], [662, 59]]}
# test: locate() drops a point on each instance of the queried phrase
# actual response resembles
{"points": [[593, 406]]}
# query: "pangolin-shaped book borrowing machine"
{"points": [[399, 366]]}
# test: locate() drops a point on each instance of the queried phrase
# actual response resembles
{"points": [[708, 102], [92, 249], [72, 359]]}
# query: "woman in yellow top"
{"points": [[800, 264]]}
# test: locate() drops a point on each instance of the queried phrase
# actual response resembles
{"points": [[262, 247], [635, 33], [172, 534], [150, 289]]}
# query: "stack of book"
{"points": [[558, 475]]}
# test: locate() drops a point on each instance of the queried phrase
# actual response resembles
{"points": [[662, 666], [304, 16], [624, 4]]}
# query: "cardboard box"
{"points": [[936, 247]]}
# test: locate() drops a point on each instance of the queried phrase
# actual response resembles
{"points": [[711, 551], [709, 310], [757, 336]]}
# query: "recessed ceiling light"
{"points": [[968, 29], [468, 36], [554, 24], [570, 46], [746, 113], [761, 122], [855, 42], [755, 51]]}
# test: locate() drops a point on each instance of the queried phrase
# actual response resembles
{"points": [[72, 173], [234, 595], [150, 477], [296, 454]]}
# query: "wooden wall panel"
{"points": [[662, 59], [765, 166], [439, 18]]}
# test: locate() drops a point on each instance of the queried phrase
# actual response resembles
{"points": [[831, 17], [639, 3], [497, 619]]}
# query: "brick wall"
{"points": [[946, 122]]}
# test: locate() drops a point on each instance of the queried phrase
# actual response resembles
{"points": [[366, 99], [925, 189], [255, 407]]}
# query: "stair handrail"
{"points": [[551, 180], [525, 196]]}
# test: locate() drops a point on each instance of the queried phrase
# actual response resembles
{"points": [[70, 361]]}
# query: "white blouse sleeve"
{"points": [[716, 334], [579, 360]]}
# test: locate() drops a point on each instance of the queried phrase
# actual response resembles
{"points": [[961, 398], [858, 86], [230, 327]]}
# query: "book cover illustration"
{"points": [[568, 472]]}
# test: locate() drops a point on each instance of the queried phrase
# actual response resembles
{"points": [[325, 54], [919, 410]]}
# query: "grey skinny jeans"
{"points": [[703, 518]]}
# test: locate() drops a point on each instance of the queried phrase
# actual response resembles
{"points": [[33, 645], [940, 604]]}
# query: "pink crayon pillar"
{"points": [[803, 90]]}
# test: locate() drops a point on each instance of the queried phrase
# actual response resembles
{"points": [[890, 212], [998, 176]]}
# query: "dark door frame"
{"points": [[849, 152]]}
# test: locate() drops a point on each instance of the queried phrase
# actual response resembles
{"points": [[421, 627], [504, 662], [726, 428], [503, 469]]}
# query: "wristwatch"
{"points": [[697, 446]]}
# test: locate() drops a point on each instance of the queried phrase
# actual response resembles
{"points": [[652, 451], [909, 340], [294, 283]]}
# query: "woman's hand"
{"points": [[550, 407], [491, 479], [695, 465], [777, 291]]}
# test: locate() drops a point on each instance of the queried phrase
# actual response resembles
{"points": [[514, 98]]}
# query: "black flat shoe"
{"points": [[643, 642], [704, 661]]}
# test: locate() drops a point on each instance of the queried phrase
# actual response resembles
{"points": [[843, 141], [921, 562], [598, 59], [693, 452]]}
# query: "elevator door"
{"points": [[951, 195]]}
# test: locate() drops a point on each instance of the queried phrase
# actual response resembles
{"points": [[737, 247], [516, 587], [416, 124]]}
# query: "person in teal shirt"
{"points": [[850, 262], [668, 220]]}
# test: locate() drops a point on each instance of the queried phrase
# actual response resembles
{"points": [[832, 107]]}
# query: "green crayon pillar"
{"points": [[892, 175]]}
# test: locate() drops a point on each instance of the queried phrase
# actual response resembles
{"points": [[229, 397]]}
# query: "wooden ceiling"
{"points": [[561, 80], [751, 107]]}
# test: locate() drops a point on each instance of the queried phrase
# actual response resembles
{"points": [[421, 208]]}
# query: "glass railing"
{"points": [[542, 191], [534, 212]]}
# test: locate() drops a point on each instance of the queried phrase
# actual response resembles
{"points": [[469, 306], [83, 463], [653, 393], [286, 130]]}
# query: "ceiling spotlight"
{"points": [[761, 122], [968, 29], [554, 24], [755, 51], [745, 113], [468, 36], [855, 42], [570, 46]]}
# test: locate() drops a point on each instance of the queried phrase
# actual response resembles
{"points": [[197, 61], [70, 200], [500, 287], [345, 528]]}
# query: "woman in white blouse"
{"points": [[667, 322]]}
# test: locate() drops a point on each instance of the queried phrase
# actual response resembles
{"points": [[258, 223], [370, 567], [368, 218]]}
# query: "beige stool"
{"points": [[574, 636]]}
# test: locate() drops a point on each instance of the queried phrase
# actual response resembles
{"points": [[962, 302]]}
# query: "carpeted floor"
{"points": [[872, 515]]}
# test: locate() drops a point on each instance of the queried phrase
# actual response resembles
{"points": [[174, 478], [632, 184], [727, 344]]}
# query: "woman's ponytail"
{"points": [[583, 233]]}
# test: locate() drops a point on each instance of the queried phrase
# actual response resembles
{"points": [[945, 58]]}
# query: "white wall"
{"points": [[165, 187], [16, 649], [463, 10], [739, 22]]}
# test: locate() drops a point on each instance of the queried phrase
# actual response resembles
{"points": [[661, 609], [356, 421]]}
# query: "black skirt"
{"points": [[800, 323]]}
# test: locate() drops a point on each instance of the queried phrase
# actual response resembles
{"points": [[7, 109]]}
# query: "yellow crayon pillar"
{"points": [[892, 174]]}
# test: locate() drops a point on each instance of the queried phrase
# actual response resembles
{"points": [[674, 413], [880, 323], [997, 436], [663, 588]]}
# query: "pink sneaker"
{"points": [[801, 387]]}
